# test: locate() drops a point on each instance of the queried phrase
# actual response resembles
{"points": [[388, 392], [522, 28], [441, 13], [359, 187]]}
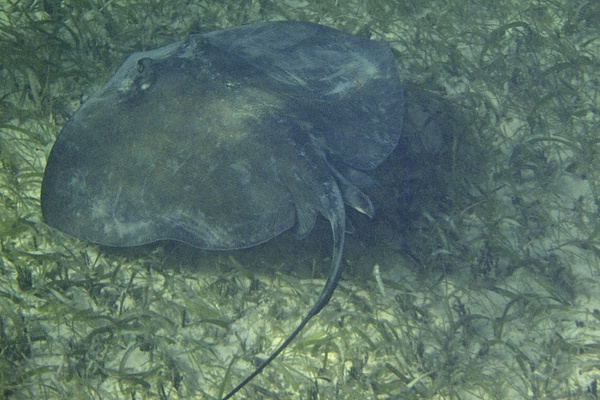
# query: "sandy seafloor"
{"points": [[478, 278]]}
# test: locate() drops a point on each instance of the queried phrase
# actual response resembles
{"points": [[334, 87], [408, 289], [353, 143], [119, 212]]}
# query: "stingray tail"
{"points": [[338, 227]]}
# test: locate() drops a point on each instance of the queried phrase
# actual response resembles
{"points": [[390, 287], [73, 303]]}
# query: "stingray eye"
{"points": [[143, 64], [144, 68]]}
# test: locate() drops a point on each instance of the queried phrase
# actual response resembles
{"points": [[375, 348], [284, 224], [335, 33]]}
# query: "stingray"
{"points": [[224, 140]]}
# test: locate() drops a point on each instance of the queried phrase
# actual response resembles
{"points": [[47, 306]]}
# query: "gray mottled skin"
{"points": [[226, 139]]}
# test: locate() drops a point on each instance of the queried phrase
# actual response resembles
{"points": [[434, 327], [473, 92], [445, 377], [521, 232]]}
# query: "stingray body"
{"points": [[226, 139]]}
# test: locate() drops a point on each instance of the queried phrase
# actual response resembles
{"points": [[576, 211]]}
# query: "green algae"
{"points": [[489, 283]]}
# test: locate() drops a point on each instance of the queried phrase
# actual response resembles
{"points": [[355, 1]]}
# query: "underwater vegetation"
{"points": [[478, 277]]}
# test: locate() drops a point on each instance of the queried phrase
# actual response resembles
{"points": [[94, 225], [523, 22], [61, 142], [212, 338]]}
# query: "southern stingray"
{"points": [[226, 139]]}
